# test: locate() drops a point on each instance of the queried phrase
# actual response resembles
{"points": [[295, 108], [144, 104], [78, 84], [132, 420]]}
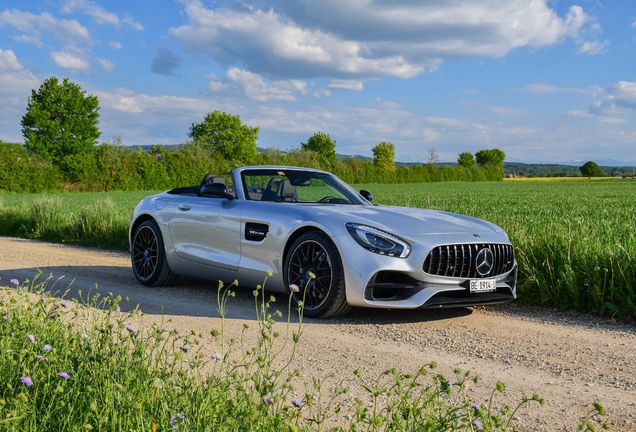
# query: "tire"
{"points": [[324, 296], [148, 256]]}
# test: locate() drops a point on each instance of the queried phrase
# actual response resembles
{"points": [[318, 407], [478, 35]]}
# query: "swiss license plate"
{"points": [[483, 285]]}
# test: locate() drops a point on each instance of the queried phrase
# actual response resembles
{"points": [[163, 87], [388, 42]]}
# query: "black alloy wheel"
{"points": [[322, 295], [149, 257]]}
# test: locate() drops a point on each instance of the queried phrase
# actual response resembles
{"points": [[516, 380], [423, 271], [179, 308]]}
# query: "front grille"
{"points": [[459, 260]]}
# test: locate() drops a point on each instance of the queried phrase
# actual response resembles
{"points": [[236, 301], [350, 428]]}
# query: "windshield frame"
{"points": [[331, 180]]}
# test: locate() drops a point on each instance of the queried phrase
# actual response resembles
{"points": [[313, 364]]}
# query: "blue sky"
{"points": [[545, 81]]}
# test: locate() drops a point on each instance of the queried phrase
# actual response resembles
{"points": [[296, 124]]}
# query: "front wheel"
{"points": [[148, 256], [323, 296]]}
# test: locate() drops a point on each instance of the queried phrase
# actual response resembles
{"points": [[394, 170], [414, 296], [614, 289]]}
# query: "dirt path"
{"points": [[568, 359]]}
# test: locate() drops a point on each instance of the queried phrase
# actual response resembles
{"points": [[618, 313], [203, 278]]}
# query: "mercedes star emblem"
{"points": [[484, 261]]}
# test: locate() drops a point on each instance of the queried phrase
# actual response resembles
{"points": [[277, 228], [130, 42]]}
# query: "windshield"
{"points": [[297, 186]]}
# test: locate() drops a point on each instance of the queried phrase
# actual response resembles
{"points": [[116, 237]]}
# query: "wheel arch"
{"points": [[140, 219], [299, 232]]}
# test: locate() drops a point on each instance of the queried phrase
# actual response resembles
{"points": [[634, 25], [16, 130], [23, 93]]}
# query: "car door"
{"points": [[206, 230]]}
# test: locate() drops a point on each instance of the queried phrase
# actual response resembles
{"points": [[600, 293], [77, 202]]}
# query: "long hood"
{"points": [[409, 222]]}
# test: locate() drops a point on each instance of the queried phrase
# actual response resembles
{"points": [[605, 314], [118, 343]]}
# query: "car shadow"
{"points": [[195, 297]]}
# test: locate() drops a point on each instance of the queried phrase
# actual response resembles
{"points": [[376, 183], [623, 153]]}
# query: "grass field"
{"points": [[575, 240]]}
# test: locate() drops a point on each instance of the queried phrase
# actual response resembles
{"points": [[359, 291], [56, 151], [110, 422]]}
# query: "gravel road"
{"points": [[569, 359]]}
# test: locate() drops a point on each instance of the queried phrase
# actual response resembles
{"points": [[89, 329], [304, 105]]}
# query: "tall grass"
{"points": [[75, 365]]}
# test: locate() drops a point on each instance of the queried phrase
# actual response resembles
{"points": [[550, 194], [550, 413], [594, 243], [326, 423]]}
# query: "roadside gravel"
{"points": [[569, 359]]}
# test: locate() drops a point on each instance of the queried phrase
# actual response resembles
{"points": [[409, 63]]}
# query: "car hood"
{"points": [[409, 222]]}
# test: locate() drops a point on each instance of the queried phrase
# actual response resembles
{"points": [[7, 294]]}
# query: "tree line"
{"points": [[61, 151]]}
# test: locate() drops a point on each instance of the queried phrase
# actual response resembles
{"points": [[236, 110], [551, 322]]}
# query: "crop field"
{"points": [[575, 241]]}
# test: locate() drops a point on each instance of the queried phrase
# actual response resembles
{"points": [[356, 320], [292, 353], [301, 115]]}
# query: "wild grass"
{"points": [[86, 365], [574, 240]]}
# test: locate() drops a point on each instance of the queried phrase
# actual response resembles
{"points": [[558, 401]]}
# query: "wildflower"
{"points": [[38, 357], [64, 304], [184, 348], [26, 380], [158, 383], [173, 420], [477, 407], [31, 338], [15, 282], [298, 404], [131, 329], [269, 273], [477, 424], [176, 389], [64, 375], [43, 299], [597, 268], [449, 384], [47, 347], [5, 317], [268, 400], [294, 288], [118, 310], [217, 356]]}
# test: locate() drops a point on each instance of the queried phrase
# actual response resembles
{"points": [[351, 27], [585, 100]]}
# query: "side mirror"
{"points": [[215, 190], [366, 195]]}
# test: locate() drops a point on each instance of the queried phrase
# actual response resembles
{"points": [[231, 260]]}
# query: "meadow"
{"points": [[574, 240]]}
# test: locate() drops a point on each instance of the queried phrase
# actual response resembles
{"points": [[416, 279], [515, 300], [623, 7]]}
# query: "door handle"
{"points": [[185, 207]]}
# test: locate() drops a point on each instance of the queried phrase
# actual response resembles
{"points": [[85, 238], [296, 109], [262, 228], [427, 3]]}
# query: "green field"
{"points": [[575, 240]]}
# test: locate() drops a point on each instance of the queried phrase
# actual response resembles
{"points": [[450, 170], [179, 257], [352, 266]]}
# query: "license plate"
{"points": [[483, 285]]}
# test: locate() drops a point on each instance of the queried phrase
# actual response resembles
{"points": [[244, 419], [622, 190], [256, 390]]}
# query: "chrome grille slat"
{"points": [[456, 260]]}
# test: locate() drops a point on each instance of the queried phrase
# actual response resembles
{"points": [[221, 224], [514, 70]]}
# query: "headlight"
{"points": [[380, 242]]}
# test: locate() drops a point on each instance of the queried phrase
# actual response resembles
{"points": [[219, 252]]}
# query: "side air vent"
{"points": [[256, 231]]}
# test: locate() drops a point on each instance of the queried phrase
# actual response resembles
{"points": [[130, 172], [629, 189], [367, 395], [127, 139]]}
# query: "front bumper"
{"points": [[379, 281]]}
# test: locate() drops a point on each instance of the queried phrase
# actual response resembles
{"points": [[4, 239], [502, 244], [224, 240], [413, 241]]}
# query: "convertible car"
{"points": [[325, 244]]}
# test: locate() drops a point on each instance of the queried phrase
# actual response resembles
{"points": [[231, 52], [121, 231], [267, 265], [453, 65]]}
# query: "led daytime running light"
{"points": [[359, 233]]}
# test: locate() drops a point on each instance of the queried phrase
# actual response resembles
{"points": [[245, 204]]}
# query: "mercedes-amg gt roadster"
{"points": [[325, 243]]}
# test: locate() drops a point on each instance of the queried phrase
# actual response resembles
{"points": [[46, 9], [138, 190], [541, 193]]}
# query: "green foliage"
{"points": [[226, 136], [384, 156], [466, 160], [322, 144], [60, 120], [590, 169], [24, 172], [494, 158]]}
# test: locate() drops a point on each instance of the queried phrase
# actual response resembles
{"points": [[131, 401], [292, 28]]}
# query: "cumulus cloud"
{"points": [[601, 119], [101, 15], [621, 98], [116, 45], [244, 83], [67, 32], [343, 84], [165, 62], [71, 63], [594, 47], [357, 40], [107, 65]]}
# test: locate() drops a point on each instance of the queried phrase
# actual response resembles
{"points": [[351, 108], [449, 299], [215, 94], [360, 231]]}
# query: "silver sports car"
{"points": [[326, 244]]}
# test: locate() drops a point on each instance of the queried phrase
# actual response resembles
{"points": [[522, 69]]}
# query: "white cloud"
{"points": [[634, 24], [547, 88], [101, 15], [621, 98], [71, 63], [343, 84], [107, 65], [116, 45], [499, 111], [67, 32], [347, 40], [243, 83], [16, 84], [28, 39], [601, 119], [594, 47]]}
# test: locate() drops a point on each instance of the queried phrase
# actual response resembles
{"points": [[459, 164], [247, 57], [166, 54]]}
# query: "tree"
{"points": [[466, 160], [60, 120], [494, 157], [384, 156], [590, 169], [226, 136], [322, 144], [431, 157]]}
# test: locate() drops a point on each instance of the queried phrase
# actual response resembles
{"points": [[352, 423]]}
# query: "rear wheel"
{"points": [[148, 256], [324, 295]]}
